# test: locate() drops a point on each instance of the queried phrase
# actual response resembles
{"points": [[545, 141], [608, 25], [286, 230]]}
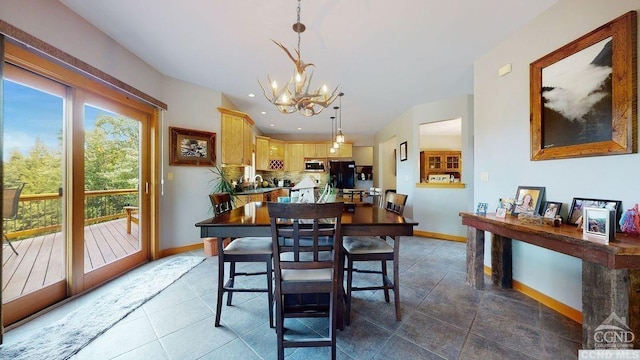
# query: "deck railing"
{"points": [[42, 213]]}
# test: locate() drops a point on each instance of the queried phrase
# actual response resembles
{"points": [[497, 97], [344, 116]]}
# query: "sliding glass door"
{"points": [[82, 161], [34, 275]]}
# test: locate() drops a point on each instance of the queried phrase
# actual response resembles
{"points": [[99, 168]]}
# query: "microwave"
{"points": [[314, 165]]}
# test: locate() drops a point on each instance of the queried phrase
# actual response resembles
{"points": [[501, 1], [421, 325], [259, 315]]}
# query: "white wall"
{"points": [[436, 210], [502, 141], [185, 200]]}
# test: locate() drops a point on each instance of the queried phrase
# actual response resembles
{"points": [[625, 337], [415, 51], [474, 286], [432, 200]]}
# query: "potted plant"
{"points": [[221, 182]]}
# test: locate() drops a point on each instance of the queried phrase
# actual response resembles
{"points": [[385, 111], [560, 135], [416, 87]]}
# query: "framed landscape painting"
{"points": [[191, 147], [582, 96]]}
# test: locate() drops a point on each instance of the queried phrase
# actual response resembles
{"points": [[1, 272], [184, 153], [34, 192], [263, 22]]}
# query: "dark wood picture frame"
{"points": [[528, 205], [575, 211], [603, 121], [403, 151], [191, 147], [551, 209]]}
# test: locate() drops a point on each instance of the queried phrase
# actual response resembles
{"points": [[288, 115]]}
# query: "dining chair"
{"points": [[10, 199], [357, 248], [241, 250], [308, 275]]}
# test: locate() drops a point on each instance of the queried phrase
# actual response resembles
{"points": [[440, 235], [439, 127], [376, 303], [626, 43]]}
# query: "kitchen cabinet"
{"points": [[236, 137], [344, 151], [294, 157], [276, 149], [440, 163], [276, 193], [242, 200], [262, 153], [315, 151]]}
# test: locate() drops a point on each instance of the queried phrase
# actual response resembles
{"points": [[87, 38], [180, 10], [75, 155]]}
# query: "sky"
{"points": [[30, 114]]}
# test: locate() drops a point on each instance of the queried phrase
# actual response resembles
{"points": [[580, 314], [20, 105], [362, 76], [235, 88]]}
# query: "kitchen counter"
{"points": [[261, 190]]}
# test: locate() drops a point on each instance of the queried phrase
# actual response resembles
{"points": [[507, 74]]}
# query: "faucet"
{"points": [[255, 183]]}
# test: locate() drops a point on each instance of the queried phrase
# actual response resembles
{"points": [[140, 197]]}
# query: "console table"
{"points": [[610, 272]]}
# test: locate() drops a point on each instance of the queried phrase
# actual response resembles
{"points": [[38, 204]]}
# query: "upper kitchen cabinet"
{"points": [[294, 157], [315, 151], [262, 153], [237, 137], [344, 151]]}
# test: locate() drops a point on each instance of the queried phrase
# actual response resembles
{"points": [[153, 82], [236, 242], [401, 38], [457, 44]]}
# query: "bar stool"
{"points": [[241, 250], [358, 248]]}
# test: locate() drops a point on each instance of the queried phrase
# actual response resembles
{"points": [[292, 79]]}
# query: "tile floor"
{"points": [[442, 318]]}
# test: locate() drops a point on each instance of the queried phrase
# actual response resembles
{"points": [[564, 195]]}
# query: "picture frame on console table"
{"points": [[583, 95], [578, 204], [551, 209], [528, 200], [599, 224]]}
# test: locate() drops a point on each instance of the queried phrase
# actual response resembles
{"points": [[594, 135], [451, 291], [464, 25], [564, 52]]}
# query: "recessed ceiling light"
{"points": [[263, 112], [271, 125], [252, 95], [299, 128]]}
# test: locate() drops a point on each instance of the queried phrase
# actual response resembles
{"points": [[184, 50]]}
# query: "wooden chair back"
{"points": [[300, 230], [10, 199], [221, 203], [306, 278], [395, 202]]}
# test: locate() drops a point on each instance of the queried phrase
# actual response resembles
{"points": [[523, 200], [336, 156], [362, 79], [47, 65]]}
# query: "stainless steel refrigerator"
{"points": [[342, 174]]}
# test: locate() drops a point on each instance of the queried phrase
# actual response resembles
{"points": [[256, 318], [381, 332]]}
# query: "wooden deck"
{"points": [[40, 260]]}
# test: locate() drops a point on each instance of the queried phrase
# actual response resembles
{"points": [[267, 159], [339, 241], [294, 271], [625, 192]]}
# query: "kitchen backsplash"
{"points": [[235, 173]]}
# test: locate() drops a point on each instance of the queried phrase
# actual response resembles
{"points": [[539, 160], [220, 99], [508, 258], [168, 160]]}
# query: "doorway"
{"points": [[83, 160]]}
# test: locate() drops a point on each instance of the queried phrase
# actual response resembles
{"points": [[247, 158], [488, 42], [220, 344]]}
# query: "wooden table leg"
{"points": [[501, 261], [475, 257], [610, 297]]}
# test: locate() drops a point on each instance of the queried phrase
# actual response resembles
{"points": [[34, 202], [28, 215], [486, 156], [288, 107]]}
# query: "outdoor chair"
{"points": [[10, 199]]}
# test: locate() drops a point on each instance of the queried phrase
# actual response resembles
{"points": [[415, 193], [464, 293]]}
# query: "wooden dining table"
{"points": [[362, 219]]}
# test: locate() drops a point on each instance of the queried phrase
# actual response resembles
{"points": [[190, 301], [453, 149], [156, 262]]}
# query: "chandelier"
{"points": [[295, 95]]}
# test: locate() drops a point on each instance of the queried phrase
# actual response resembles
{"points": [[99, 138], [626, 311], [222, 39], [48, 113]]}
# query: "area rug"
{"points": [[67, 336]]}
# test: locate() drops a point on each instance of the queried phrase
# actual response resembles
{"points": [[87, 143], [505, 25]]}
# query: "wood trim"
{"points": [[26, 305], [546, 300], [441, 186], [237, 113], [80, 66], [429, 234], [1, 172], [180, 249]]}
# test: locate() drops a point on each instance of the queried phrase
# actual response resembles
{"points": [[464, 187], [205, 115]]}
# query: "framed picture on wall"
{"points": [[191, 147], [403, 151], [583, 95]]}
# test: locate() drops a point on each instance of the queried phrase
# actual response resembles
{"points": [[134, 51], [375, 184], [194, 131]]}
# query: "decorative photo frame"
{"points": [[482, 209], [528, 200], [604, 122], [575, 211], [551, 209], [501, 212], [191, 147], [403, 151], [599, 224]]}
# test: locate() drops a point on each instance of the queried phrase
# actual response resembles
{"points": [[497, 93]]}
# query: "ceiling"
{"points": [[386, 56]]}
